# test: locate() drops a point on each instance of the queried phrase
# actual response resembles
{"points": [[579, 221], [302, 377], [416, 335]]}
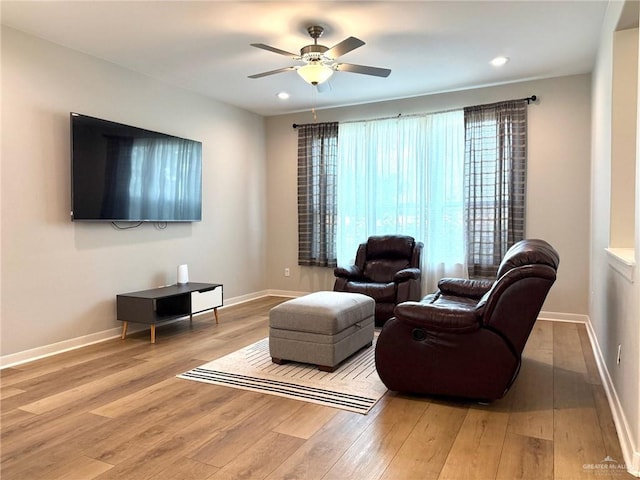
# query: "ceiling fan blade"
{"points": [[365, 70], [323, 87], [271, 72], [294, 56], [343, 47]]}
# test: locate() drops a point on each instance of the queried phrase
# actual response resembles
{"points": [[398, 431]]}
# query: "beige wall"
{"points": [[59, 278], [623, 137], [557, 183], [614, 310]]}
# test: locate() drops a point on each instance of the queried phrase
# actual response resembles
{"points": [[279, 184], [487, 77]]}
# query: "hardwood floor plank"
{"points": [[607, 427], [149, 463], [10, 417], [24, 441], [577, 434], [234, 439], [532, 396], [75, 376], [567, 349], [102, 390], [541, 336], [526, 458], [371, 453], [39, 466], [55, 363], [188, 469], [8, 392], [306, 421], [475, 454], [122, 440], [261, 458], [317, 455], [577, 442], [424, 452], [593, 375], [81, 467]]}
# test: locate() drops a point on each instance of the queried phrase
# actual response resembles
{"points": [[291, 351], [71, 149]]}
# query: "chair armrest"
{"points": [[351, 271], [461, 287], [437, 318], [406, 274]]}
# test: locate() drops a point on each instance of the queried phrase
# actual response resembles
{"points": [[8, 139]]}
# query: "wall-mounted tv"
{"points": [[129, 174]]}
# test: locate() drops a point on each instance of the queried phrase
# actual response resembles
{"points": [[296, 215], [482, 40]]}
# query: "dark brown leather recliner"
{"points": [[466, 339], [387, 269]]}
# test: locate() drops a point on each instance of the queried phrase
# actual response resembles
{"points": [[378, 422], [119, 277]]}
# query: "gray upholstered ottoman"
{"points": [[321, 328]]}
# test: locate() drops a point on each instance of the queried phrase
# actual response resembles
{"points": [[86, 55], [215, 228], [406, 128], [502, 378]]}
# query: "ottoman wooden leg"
{"points": [[279, 361], [325, 368]]}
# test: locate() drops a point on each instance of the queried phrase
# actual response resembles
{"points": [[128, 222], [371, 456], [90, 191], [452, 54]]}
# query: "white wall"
{"points": [[60, 278], [557, 179], [615, 300]]}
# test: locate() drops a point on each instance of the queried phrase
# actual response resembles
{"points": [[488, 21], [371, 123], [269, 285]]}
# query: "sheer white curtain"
{"points": [[404, 175]]}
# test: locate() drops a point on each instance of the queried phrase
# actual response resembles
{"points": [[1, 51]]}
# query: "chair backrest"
{"points": [[529, 252], [525, 277], [382, 256]]}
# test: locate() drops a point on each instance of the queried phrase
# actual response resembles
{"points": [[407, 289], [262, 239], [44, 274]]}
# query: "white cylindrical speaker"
{"points": [[183, 274]]}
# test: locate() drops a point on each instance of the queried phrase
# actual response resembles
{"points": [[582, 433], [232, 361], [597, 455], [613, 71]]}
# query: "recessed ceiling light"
{"points": [[499, 61], [283, 95]]}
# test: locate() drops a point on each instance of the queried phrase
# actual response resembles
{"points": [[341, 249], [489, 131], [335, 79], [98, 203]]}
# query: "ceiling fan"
{"points": [[320, 61]]}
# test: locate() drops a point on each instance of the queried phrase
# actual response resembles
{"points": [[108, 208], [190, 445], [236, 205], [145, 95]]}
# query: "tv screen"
{"points": [[124, 173]]}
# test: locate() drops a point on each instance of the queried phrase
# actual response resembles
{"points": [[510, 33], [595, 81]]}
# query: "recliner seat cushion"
{"points": [[380, 292], [384, 270]]}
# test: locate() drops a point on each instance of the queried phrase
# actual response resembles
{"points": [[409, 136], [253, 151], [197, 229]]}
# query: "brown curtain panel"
{"points": [[495, 182], [317, 200]]}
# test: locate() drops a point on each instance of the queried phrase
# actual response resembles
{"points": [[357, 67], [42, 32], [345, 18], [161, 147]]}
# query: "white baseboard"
{"points": [[37, 353], [564, 317], [25, 356], [83, 341], [286, 293], [629, 449]]}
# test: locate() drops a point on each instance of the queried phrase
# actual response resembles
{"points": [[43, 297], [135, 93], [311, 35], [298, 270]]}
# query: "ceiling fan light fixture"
{"points": [[315, 74]]}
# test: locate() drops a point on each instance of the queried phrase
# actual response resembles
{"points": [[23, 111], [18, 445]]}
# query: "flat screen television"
{"points": [[129, 174]]}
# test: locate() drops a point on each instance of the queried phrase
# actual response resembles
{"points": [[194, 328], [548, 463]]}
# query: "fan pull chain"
{"points": [[314, 102]]}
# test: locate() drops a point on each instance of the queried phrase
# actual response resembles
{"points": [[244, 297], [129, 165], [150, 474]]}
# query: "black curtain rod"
{"points": [[530, 99]]}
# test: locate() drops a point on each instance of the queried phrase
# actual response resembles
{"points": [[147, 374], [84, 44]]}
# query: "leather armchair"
{"points": [[387, 269], [466, 339]]}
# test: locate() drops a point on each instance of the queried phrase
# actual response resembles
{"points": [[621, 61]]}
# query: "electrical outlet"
{"points": [[619, 354], [287, 272]]}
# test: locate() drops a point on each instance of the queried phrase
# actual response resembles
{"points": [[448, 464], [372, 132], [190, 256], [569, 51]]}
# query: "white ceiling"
{"points": [[431, 47]]}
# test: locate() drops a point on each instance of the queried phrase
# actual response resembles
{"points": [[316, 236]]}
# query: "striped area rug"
{"points": [[354, 386]]}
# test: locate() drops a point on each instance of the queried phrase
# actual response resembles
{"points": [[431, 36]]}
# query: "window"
{"points": [[455, 181], [404, 175]]}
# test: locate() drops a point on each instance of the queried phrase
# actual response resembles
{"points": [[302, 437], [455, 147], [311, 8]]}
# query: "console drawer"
{"points": [[201, 301]]}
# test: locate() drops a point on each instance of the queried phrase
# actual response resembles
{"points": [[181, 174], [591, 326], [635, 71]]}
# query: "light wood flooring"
{"points": [[115, 410]]}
